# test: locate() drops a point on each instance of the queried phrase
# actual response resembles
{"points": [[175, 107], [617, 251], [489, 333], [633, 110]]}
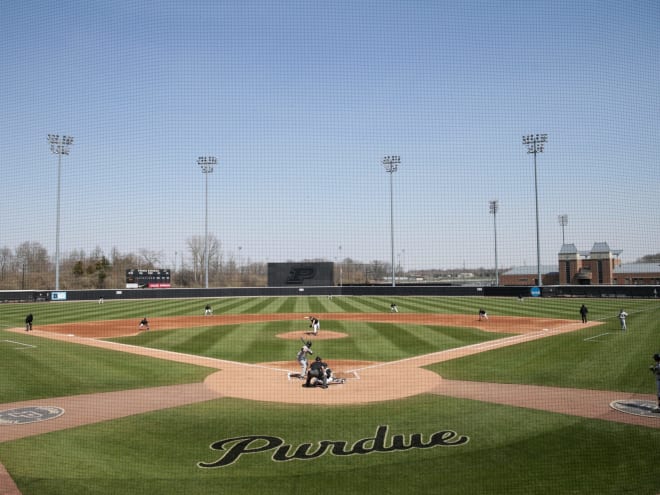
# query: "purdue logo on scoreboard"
{"points": [[297, 275], [307, 273]]}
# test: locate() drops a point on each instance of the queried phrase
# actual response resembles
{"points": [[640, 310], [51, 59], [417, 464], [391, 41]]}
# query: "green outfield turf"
{"points": [[508, 450]]}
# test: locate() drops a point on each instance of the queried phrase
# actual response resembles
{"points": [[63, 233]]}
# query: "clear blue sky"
{"points": [[300, 100]]}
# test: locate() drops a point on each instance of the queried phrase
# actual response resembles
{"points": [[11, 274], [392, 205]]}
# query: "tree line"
{"points": [[30, 266]]}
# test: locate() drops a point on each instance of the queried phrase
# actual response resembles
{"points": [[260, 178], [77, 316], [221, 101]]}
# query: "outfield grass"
{"points": [[13, 315], [511, 450]]}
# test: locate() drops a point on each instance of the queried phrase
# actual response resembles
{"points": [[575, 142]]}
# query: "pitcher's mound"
{"points": [[305, 335]]}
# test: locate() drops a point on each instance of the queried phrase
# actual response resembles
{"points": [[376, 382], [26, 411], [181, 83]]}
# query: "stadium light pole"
{"points": [[206, 163], [341, 266], [535, 144], [59, 145], [494, 206], [563, 222], [391, 164]]}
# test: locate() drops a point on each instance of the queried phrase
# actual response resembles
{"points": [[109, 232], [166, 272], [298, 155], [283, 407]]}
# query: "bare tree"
{"points": [[215, 260], [152, 259], [196, 247], [649, 258], [31, 258], [6, 258]]}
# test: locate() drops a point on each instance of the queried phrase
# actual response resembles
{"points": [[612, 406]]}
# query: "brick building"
{"points": [[637, 274], [599, 266], [595, 267]]}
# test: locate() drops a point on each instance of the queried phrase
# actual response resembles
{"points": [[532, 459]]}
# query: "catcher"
{"points": [[332, 379], [317, 371]]}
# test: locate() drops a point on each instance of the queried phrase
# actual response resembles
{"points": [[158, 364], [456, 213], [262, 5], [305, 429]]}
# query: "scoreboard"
{"points": [[317, 273], [137, 279]]}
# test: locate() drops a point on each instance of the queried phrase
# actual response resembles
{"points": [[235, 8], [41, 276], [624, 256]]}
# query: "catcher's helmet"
{"points": [[656, 357]]}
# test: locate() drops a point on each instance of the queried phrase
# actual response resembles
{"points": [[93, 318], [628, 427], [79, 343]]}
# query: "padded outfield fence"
{"points": [[599, 291]]}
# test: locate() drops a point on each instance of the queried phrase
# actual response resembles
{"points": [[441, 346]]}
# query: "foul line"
{"points": [[183, 354], [24, 346], [481, 346], [596, 336]]}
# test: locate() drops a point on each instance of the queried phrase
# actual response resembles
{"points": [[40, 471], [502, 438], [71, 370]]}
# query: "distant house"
{"points": [[598, 266]]}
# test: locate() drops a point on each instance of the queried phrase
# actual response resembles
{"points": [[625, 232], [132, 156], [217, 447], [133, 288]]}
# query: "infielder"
{"points": [[302, 357], [622, 319]]}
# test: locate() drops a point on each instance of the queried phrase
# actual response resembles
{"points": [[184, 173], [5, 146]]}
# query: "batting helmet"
{"points": [[656, 357], [309, 343]]}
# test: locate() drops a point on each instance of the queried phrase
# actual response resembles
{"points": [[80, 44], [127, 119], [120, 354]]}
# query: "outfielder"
{"points": [[302, 357]]}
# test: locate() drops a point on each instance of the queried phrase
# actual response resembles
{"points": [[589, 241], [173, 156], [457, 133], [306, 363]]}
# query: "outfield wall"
{"points": [[614, 291]]}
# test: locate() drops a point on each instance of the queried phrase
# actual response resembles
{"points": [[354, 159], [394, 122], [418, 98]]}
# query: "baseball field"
{"points": [[529, 401]]}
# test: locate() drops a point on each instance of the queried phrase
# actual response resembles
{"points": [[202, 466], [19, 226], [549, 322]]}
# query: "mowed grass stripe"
{"points": [[264, 305], [370, 305], [228, 305], [202, 341], [347, 304], [284, 305], [57, 368], [386, 342]]}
